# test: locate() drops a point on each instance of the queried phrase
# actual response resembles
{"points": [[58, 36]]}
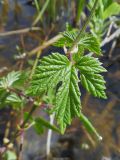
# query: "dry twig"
{"points": [[19, 31]]}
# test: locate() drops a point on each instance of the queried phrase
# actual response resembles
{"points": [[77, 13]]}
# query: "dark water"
{"points": [[105, 114], [13, 17]]}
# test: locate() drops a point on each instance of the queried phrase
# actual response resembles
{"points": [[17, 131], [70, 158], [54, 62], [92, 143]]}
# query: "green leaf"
{"points": [[41, 123], [88, 125], [50, 97], [14, 79], [94, 83], [57, 68], [90, 64], [113, 9], [49, 73], [52, 70], [68, 100], [107, 3], [14, 99], [87, 41], [3, 96], [67, 39], [23, 78], [39, 129], [10, 79], [9, 155]]}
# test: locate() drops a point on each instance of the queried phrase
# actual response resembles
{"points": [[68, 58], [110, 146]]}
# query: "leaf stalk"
{"points": [[83, 29]]}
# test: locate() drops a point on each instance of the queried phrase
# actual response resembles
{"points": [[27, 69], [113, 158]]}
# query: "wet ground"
{"points": [[76, 144]]}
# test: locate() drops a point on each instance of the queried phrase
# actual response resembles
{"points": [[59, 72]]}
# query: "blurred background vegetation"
{"points": [[26, 26]]}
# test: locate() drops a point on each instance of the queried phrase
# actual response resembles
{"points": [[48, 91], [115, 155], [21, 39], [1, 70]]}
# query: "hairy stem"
{"points": [[83, 28]]}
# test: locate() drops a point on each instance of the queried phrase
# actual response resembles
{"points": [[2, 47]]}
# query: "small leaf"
{"points": [[6, 82], [87, 41], [67, 39], [9, 155], [13, 99], [113, 9], [10, 79]]}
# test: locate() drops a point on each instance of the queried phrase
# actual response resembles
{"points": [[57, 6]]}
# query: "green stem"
{"points": [[80, 6], [37, 5], [41, 13], [83, 28], [35, 64], [34, 107]]}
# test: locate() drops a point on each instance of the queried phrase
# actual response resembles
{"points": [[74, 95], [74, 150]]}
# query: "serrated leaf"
{"points": [[24, 76], [90, 64], [67, 39], [50, 71], [87, 41], [94, 83], [68, 100], [113, 9], [90, 68], [10, 79], [13, 99]]}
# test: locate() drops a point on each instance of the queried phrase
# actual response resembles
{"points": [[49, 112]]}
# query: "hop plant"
{"points": [[58, 72]]}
